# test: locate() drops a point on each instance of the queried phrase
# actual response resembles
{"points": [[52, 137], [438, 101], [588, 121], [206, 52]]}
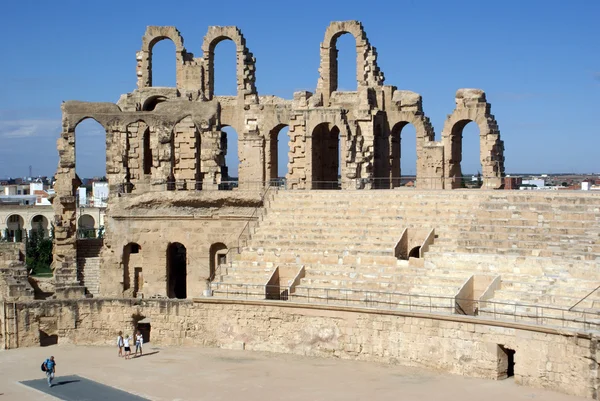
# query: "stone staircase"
{"points": [[88, 264], [544, 246]]}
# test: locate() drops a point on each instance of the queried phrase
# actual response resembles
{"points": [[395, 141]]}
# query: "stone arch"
{"points": [[246, 79], [224, 149], [185, 154], [40, 223], [272, 152], [471, 106], [86, 226], [15, 228], [151, 102], [325, 156], [408, 109], [367, 71], [152, 36], [176, 270], [217, 252], [132, 269]]}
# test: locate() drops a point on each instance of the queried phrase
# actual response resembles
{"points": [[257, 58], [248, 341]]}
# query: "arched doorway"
{"points": [[345, 55], [162, 63], [225, 68], [176, 271], [403, 154], [278, 154], [218, 256], [39, 224], [326, 166], [466, 154]]}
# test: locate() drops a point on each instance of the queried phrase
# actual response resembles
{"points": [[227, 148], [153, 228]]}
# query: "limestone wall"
{"points": [[545, 358]]}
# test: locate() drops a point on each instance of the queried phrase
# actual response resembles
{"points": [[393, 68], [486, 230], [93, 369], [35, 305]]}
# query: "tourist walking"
{"points": [[120, 343], [139, 342], [50, 365], [126, 342]]}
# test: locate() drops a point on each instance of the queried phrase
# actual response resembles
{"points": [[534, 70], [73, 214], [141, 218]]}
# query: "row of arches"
{"points": [[15, 227], [176, 269], [396, 152]]}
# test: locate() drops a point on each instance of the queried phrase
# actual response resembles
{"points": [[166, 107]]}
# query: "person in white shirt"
{"points": [[139, 341], [126, 341], [120, 343]]}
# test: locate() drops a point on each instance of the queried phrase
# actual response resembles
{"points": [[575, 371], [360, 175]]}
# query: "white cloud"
{"points": [[11, 129]]}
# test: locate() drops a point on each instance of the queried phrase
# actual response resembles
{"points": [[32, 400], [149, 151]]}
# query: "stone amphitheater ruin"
{"points": [[486, 283]]}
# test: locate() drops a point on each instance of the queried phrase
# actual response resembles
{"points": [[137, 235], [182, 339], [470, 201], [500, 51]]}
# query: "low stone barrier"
{"points": [[544, 357]]}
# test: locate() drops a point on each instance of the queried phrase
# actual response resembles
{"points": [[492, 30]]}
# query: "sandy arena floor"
{"points": [[214, 374]]}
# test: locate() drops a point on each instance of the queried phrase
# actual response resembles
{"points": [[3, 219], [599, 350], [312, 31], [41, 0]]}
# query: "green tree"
{"points": [[39, 252]]}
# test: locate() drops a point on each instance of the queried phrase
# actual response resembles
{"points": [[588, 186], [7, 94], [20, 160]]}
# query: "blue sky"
{"points": [[538, 61]]}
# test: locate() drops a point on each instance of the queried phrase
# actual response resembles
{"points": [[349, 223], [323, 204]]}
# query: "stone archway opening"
{"points": [[86, 227], [90, 154], [229, 159], [218, 257], [163, 64], [403, 154], [40, 225], [466, 146], [14, 228], [225, 68], [176, 271], [344, 50], [414, 252], [279, 148], [326, 157]]}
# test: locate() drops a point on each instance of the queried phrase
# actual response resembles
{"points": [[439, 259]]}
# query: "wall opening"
{"points": [[466, 149], [151, 102], [39, 224], [164, 64], [414, 253], [176, 271], [381, 159], [15, 228], [403, 154], [345, 51], [225, 68], [131, 262], [90, 153], [229, 159], [147, 152], [279, 153], [218, 256], [326, 155], [47, 340], [86, 227], [506, 362]]}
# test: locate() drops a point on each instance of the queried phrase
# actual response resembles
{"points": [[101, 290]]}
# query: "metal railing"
{"points": [[501, 311]]}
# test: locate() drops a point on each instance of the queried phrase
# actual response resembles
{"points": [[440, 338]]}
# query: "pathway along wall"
{"points": [[544, 358]]}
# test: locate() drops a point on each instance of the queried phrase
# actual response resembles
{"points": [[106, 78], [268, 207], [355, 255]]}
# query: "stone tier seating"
{"points": [[544, 246]]}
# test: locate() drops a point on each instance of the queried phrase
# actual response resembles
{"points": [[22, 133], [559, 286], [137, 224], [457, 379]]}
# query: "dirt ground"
{"points": [[214, 374]]}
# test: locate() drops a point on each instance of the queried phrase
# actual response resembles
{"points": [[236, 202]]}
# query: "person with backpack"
{"points": [[120, 343], [49, 366]]}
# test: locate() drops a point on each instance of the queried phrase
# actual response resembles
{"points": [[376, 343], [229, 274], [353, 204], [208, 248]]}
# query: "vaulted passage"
{"points": [[325, 157], [176, 271]]}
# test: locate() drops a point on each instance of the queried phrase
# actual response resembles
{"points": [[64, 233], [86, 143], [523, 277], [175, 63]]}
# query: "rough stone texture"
{"points": [[545, 358]]}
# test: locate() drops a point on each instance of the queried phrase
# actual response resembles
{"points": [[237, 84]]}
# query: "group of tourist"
{"points": [[123, 344]]}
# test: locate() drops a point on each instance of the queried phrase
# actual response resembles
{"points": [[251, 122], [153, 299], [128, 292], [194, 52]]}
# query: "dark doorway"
{"points": [[326, 157], [144, 329], [506, 366], [176, 271], [47, 339]]}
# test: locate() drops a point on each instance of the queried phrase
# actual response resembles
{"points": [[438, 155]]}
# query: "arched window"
{"points": [[163, 64], [218, 256], [344, 73], [90, 151], [225, 68], [40, 225]]}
